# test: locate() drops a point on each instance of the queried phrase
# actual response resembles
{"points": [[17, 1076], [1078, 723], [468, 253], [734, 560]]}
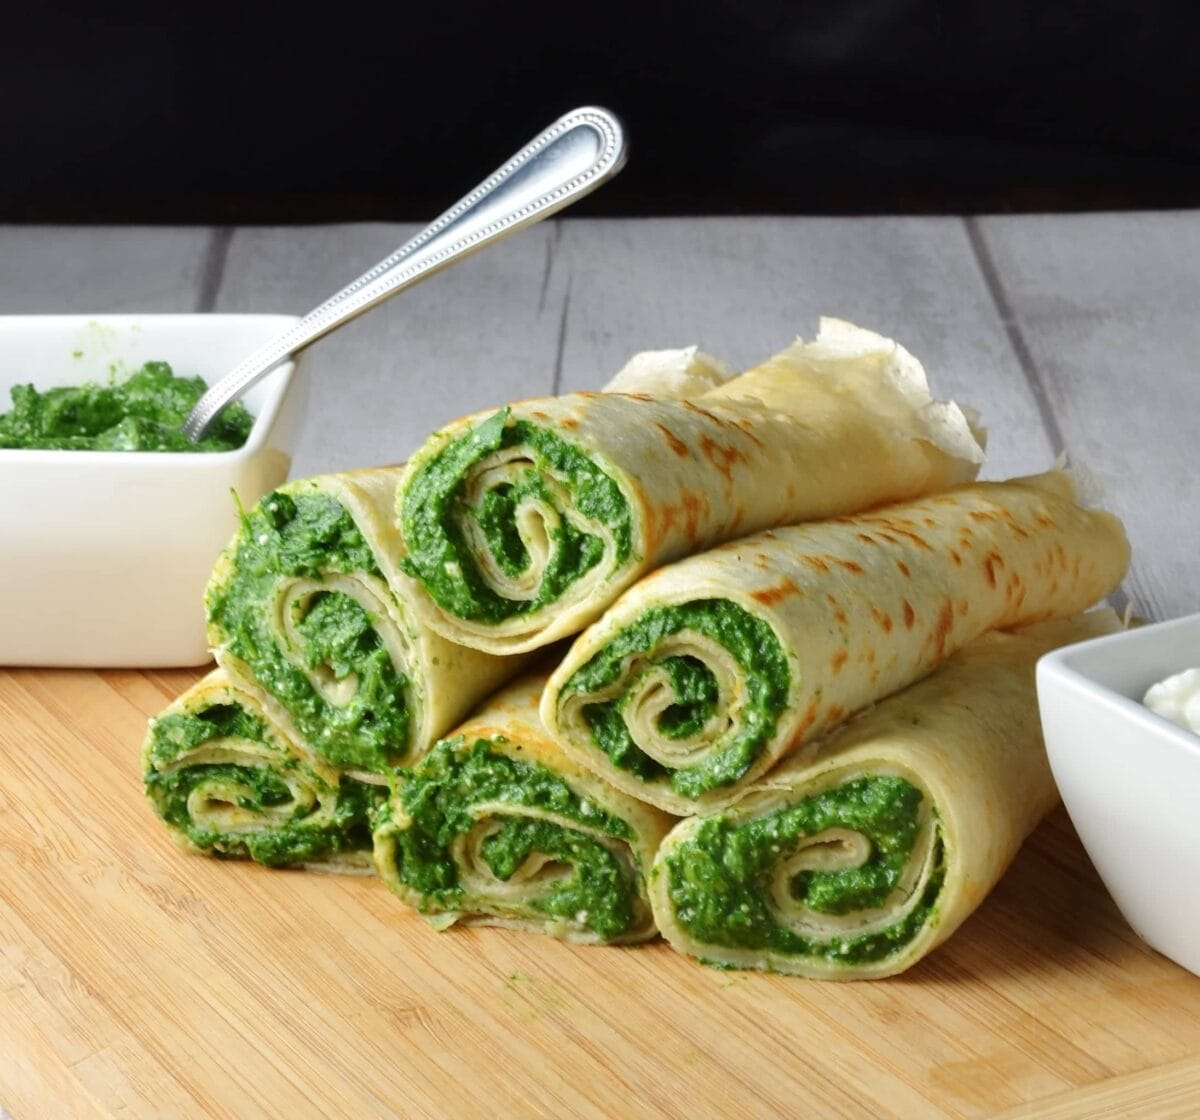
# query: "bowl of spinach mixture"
{"points": [[111, 518]]}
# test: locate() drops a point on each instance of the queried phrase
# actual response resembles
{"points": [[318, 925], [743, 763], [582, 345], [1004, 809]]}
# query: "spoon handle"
{"points": [[571, 158]]}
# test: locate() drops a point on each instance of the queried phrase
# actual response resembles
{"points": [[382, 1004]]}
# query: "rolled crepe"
{"points": [[306, 608], [496, 826], [857, 857], [521, 525], [709, 671], [229, 780]]}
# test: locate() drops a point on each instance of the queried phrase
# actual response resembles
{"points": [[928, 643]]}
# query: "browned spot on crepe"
{"points": [[721, 456], [747, 426], [694, 407], [769, 596], [667, 513], [941, 630], [991, 563], [676, 444], [838, 613], [806, 721], [691, 514]]}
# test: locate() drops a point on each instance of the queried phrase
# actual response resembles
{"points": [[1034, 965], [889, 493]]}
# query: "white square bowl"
{"points": [[1129, 778], [104, 555]]}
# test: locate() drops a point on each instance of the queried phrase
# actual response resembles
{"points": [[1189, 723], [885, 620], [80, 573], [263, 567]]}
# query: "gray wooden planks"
{"points": [[745, 287], [48, 270], [479, 334], [1106, 306]]}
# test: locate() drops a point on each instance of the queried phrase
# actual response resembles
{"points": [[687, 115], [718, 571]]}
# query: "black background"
{"points": [[279, 113]]}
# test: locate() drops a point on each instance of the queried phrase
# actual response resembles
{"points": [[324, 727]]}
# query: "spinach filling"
{"points": [[142, 413], [752, 644], [720, 879], [294, 536], [255, 788], [438, 797], [434, 507]]}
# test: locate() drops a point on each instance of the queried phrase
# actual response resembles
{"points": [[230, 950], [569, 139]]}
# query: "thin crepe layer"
{"points": [[305, 607], [522, 525], [230, 780], [856, 858], [709, 671], [496, 826]]}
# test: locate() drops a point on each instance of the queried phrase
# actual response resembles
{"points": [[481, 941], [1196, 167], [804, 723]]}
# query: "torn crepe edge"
{"points": [[690, 372], [1089, 490], [675, 374], [948, 426]]}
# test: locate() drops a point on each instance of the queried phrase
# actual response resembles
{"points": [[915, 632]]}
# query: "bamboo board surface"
{"points": [[140, 981]]}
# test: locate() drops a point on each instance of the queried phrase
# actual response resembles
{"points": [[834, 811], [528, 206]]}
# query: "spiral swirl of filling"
{"points": [[507, 518], [303, 606], [846, 874], [231, 786], [477, 833], [690, 694]]}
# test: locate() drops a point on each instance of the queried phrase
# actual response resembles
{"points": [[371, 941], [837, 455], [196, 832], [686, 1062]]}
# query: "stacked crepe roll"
{"points": [[496, 826], [233, 779], [521, 525], [705, 674], [325, 683], [857, 857], [740, 607]]}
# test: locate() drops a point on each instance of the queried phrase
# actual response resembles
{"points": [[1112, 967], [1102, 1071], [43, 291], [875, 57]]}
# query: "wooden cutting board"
{"points": [[139, 981]]}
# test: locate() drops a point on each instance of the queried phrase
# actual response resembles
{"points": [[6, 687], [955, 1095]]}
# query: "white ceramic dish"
{"points": [[104, 554], [1129, 778]]}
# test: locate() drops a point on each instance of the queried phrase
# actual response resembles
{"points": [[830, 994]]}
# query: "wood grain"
{"points": [[1106, 304], [744, 288], [50, 270], [137, 980], [1168, 1093]]}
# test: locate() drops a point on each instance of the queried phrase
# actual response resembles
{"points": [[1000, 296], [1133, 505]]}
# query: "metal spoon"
{"points": [[575, 155]]}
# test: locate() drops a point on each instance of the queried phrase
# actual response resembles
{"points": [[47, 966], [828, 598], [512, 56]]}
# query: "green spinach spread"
{"points": [[144, 412], [281, 839], [752, 644], [433, 509], [720, 878], [309, 535], [439, 797]]}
